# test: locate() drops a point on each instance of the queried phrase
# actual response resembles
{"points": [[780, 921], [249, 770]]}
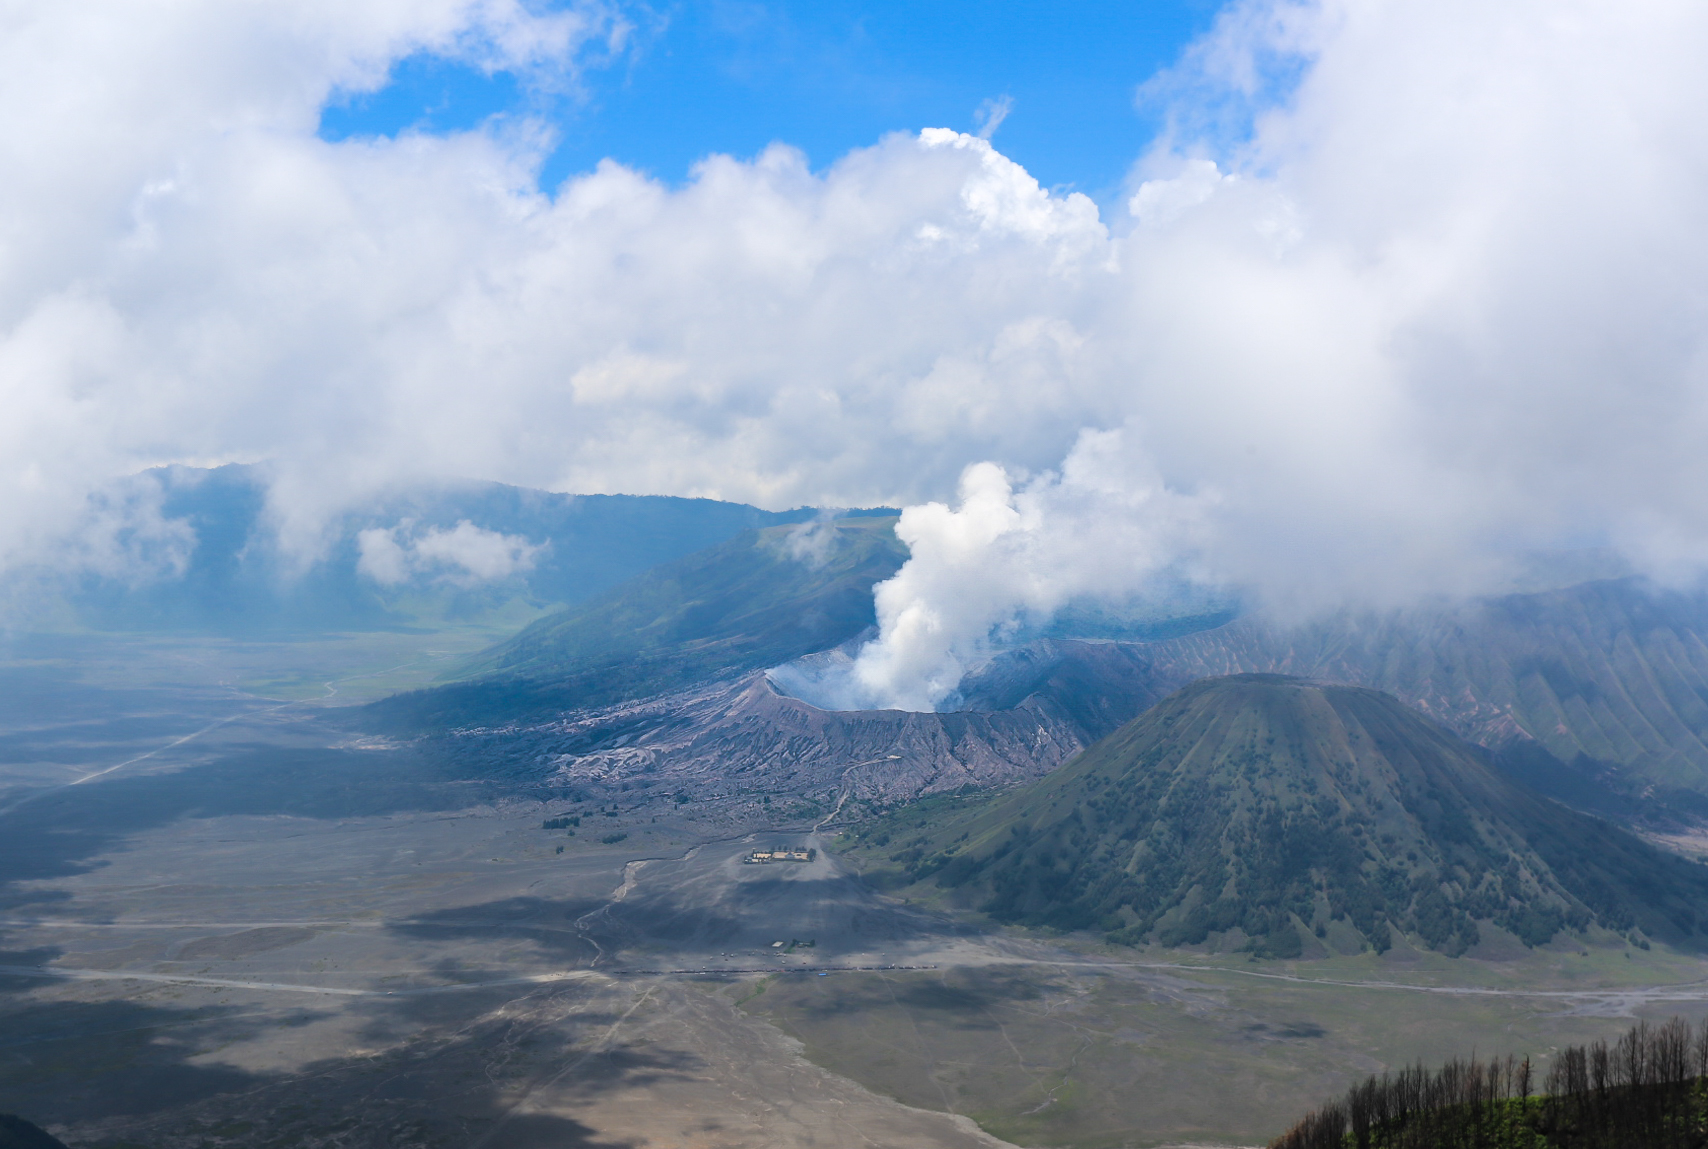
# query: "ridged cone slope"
{"points": [[1274, 804]]}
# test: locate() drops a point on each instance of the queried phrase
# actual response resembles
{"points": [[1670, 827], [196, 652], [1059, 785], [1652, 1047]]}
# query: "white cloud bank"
{"points": [[1443, 305], [465, 554]]}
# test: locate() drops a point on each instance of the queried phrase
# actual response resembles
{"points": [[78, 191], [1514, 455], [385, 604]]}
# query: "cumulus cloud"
{"points": [[465, 554], [1442, 307], [194, 276], [1408, 289]]}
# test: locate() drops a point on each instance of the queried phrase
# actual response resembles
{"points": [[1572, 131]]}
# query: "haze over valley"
{"points": [[449, 881], [584, 573]]}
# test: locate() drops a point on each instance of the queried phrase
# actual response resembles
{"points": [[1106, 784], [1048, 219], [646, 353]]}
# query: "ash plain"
{"points": [[227, 921]]}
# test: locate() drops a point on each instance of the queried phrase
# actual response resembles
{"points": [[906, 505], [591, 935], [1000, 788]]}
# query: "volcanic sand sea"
{"points": [[274, 933]]}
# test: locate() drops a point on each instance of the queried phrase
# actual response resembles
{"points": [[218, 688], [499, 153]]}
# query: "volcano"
{"points": [[1280, 807]]}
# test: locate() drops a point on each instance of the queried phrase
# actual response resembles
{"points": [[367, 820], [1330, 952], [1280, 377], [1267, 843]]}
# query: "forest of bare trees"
{"points": [[1648, 1090]]}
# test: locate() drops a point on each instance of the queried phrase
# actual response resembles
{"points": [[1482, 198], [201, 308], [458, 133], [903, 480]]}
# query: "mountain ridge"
{"points": [[1599, 687], [234, 580], [761, 598]]}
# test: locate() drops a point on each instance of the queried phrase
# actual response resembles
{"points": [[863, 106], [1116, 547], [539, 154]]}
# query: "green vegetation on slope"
{"points": [[755, 601], [1275, 805]]}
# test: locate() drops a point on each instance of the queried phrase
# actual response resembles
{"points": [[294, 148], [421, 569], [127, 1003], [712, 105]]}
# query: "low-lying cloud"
{"points": [[465, 555], [1411, 289]]}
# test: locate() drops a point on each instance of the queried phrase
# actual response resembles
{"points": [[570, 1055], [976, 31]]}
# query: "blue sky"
{"points": [[731, 76]]}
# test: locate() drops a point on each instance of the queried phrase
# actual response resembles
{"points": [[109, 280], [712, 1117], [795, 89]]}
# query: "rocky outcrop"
{"points": [[1024, 715], [745, 736]]}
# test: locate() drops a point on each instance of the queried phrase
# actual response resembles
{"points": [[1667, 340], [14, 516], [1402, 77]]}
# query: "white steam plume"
{"points": [[1446, 307], [1439, 302], [1004, 557]]}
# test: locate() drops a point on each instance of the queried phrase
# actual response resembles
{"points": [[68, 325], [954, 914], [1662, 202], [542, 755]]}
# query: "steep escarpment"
{"points": [[762, 598]]}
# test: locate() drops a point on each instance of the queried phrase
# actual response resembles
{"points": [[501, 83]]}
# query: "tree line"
{"points": [[1648, 1089]]}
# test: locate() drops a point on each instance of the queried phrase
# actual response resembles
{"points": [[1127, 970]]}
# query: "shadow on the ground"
{"points": [[445, 1069], [839, 914], [67, 1061], [967, 997], [62, 832], [551, 924]]}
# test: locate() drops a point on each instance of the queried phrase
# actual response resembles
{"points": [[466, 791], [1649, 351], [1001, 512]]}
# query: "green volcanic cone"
{"points": [[1278, 805]]}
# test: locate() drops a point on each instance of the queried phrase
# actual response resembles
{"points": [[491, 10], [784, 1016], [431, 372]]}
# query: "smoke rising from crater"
{"points": [[1442, 309], [1410, 290], [1008, 556]]}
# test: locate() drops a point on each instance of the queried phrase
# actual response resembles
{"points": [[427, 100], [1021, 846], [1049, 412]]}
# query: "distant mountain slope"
{"points": [[1596, 694], [760, 599], [1609, 677], [1271, 805], [236, 582]]}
